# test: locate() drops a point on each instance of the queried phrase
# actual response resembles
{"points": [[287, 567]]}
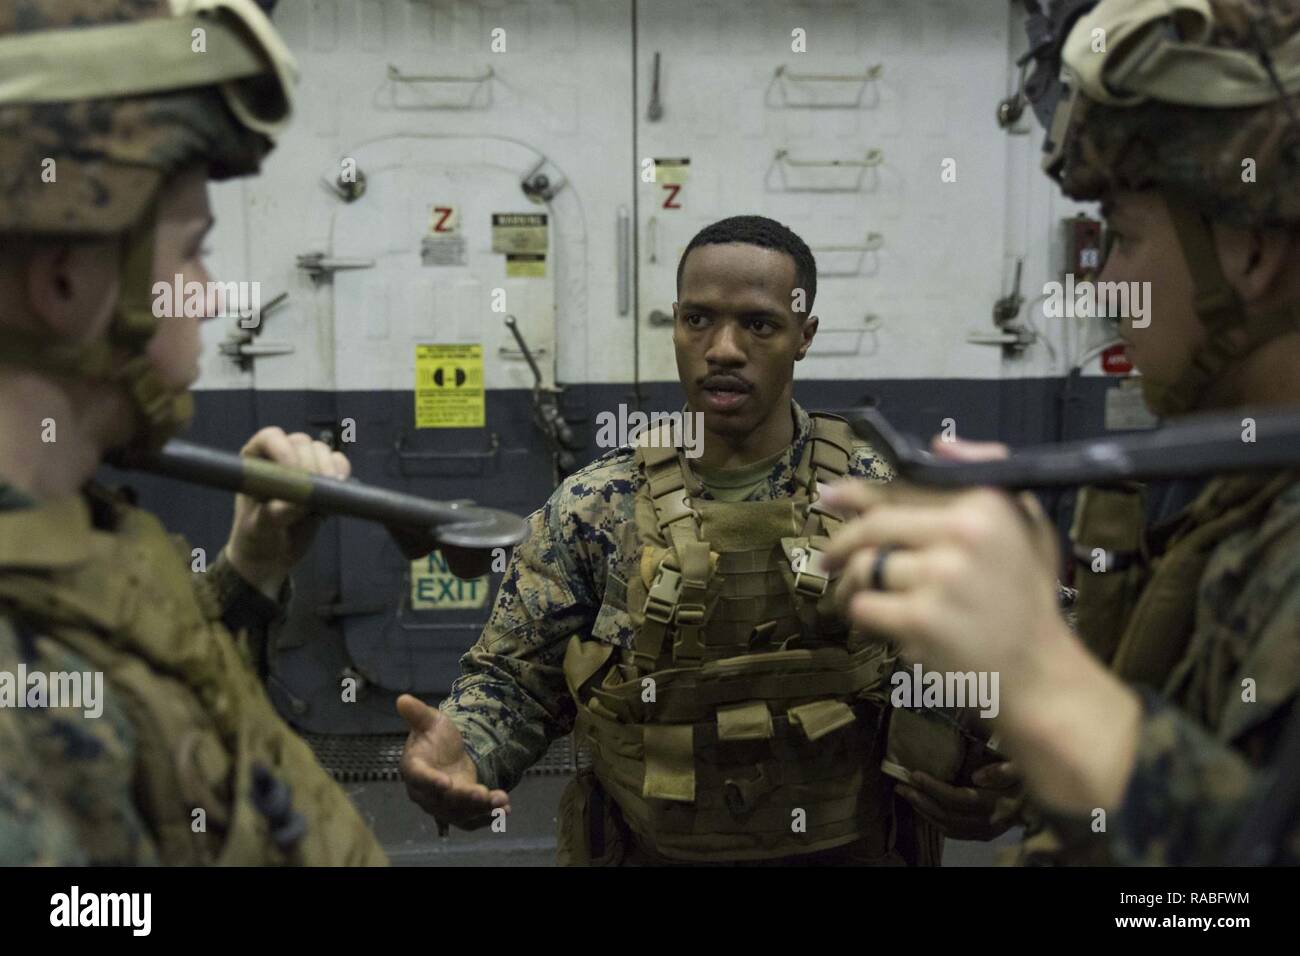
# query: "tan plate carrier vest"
{"points": [[745, 722], [1137, 611], [207, 735], [1139, 614]]}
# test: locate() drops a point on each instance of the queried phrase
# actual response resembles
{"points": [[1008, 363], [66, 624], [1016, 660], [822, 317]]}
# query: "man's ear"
{"points": [[807, 331], [72, 286], [1256, 261]]}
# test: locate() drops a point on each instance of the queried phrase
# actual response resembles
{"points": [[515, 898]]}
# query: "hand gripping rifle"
{"points": [[466, 533], [1195, 446]]}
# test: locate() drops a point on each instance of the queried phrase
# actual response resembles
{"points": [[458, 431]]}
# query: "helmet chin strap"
{"points": [[1231, 334], [160, 412]]}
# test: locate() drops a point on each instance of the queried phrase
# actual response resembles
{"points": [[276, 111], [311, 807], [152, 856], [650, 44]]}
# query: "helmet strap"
{"points": [[161, 413], [1231, 334]]}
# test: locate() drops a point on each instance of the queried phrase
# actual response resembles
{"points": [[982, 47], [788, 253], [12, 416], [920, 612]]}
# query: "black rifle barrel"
{"points": [[461, 524], [1191, 447], [1195, 446]]}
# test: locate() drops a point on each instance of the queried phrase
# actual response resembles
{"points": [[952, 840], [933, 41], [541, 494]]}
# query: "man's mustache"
{"points": [[727, 380]]}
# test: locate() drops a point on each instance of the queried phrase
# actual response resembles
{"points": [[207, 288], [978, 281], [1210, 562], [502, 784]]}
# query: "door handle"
{"points": [[403, 455], [624, 238]]}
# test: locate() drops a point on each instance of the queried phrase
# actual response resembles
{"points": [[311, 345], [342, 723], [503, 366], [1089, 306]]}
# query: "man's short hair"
{"points": [[764, 232]]}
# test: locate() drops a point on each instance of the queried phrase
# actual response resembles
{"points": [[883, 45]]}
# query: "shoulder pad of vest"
{"points": [[655, 446], [831, 446], [54, 534], [834, 429]]}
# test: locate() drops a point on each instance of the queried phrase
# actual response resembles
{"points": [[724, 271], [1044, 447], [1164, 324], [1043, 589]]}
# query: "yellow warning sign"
{"points": [[519, 232], [449, 386], [435, 588], [674, 172], [525, 265]]}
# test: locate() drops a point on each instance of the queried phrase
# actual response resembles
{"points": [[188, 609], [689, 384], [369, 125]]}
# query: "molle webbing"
{"points": [[695, 535], [689, 695], [1143, 607], [727, 753], [728, 787], [207, 733], [1160, 627], [1107, 536], [764, 710]]}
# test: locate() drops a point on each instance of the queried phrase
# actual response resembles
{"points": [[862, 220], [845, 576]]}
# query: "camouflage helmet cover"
{"points": [[1180, 100], [101, 101], [85, 151]]}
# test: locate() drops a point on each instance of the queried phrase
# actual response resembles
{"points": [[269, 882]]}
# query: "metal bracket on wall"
{"points": [[784, 76], [623, 238], [338, 609], [1013, 107], [655, 111], [543, 181], [349, 186], [547, 415], [874, 241], [1013, 336], [517, 355], [405, 456], [242, 343], [475, 83], [870, 326], [319, 264], [414, 619], [859, 167]]}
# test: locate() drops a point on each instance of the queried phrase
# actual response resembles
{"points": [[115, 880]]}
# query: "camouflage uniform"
{"points": [[1211, 599], [188, 761], [66, 781], [1208, 739], [511, 700]]}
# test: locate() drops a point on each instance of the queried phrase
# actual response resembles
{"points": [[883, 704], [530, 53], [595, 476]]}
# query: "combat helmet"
{"points": [[1193, 99], [101, 101]]}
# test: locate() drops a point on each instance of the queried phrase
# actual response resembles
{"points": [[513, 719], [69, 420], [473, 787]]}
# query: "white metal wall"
{"points": [[942, 66], [562, 94]]}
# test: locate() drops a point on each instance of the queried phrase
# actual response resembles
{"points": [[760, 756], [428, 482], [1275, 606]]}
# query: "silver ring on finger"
{"points": [[878, 567]]}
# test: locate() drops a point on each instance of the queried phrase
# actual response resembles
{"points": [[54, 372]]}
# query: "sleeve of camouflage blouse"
{"points": [[66, 795], [511, 701], [866, 463], [247, 613], [1188, 796], [1191, 790]]}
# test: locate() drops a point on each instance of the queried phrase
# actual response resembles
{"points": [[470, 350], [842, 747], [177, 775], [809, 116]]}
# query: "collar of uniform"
{"points": [[48, 534], [12, 498], [802, 429], [784, 481], [781, 483]]}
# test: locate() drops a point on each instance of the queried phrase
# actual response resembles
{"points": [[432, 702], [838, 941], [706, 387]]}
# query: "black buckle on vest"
{"points": [[760, 638], [273, 799], [741, 796]]}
